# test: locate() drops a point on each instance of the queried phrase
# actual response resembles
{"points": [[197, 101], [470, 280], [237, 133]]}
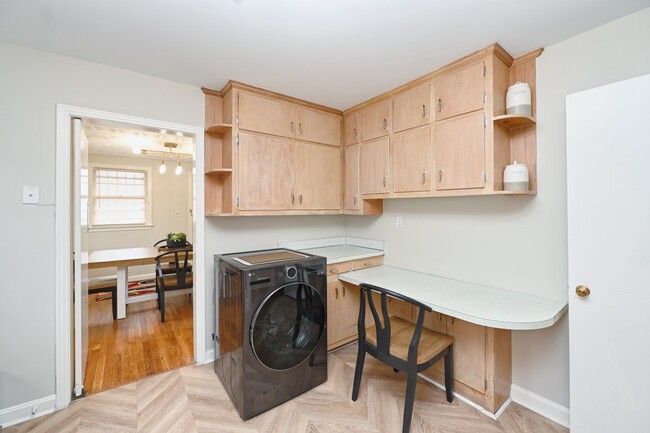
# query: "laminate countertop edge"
{"points": [[475, 303]]}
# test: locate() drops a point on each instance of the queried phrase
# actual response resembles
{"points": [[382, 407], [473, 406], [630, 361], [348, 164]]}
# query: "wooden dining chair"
{"points": [[403, 345], [182, 278]]}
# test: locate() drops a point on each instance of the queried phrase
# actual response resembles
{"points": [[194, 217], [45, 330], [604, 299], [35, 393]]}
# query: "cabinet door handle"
{"points": [[354, 199], [424, 110], [439, 105], [292, 128], [334, 271], [292, 198], [424, 177], [336, 293], [344, 291], [385, 180], [386, 124], [299, 198], [300, 128], [439, 176], [355, 133]]}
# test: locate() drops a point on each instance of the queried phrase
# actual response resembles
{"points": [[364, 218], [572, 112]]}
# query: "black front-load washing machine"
{"points": [[270, 326]]}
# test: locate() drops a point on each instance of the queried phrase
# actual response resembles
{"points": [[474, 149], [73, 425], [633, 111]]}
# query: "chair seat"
{"points": [[401, 332], [170, 280]]}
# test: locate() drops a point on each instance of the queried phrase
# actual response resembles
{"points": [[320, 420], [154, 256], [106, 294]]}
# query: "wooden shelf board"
{"points": [[511, 121], [219, 171], [218, 129], [515, 192]]}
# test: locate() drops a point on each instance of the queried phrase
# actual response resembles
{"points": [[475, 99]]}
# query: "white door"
{"points": [[80, 244], [608, 165]]}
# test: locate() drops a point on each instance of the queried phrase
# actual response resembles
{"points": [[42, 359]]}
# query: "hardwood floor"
{"points": [[191, 399], [123, 351]]}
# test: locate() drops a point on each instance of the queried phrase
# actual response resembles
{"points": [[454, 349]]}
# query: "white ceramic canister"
{"points": [[518, 99], [515, 177]]}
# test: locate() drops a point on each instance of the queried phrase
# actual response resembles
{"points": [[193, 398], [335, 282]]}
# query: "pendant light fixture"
{"points": [[163, 167], [179, 169]]}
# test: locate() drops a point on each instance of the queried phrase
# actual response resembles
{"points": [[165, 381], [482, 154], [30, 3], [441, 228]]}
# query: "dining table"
{"points": [[121, 259]]}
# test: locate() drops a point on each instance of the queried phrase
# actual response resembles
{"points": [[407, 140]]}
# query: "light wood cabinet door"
{"points": [[412, 160], [349, 310], [460, 92], [333, 302], [318, 127], [351, 126], [460, 152], [266, 172], [374, 166], [436, 322], [352, 177], [375, 120], [412, 108], [469, 353], [260, 114], [318, 176]]}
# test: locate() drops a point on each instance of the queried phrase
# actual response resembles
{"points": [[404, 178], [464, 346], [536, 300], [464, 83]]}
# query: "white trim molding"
{"points": [[543, 406], [26, 411], [63, 247]]}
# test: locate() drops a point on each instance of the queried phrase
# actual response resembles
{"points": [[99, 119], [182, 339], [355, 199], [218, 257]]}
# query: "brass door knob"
{"points": [[583, 291]]}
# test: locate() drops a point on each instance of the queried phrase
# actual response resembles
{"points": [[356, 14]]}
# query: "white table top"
{"points": [[483, 305], [343, 253]]}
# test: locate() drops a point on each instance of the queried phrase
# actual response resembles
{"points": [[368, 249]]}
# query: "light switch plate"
{"points": [[30, 194]]}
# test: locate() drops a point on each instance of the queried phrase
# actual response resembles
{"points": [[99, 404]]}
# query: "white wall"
{"points": [[171, 193], [520, 243], [32, 83]]}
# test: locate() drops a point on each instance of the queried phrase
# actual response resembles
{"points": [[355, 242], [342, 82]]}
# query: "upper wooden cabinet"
{"points": [[351, 126], [352, 199], [412, 160], [461, 92], [268, 154], [374, 167], [270, 116], [412, 108], [375, 120]]}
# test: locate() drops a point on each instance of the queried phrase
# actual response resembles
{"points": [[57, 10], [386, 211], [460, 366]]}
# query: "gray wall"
{"points": [[32, 83]]}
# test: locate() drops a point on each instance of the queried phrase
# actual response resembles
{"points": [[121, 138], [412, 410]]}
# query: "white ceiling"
{"points": [[333, 52], [118, 139]]}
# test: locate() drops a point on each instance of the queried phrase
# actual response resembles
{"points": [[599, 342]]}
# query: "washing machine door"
{"points": [[287, 326]]}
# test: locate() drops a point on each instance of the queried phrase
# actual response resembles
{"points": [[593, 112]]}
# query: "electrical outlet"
{"points": [[398, 222], [30, 194]]}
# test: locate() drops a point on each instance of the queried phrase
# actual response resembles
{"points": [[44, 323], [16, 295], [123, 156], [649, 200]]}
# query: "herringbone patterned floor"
{"points": [[192, 400]]}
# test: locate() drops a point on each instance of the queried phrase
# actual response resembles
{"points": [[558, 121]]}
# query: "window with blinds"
{"points": [[119, 197]]}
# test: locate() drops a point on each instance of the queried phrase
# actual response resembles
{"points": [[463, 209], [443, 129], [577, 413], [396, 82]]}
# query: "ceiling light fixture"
{"points": [[162, 153]]}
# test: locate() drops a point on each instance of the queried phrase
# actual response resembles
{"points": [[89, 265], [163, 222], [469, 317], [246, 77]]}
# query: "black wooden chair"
{"points": [[105, 285], [182, 278], [401, 344]]}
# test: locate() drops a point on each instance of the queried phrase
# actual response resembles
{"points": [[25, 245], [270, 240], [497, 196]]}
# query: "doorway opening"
{"points": [[129, 202]]}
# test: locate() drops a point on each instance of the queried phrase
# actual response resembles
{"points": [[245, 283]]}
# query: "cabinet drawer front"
{"points": [[460, 92], [412, 108], [338, 268], [318, 127], [367, 263], [375, 120], [260, 114]]}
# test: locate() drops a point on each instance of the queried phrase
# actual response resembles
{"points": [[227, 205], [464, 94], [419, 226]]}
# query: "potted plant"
{"points": [[176, 240]]}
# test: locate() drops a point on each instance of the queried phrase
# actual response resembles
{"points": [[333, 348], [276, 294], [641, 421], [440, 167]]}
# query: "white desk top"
{"points": [[343, 253], [483, 305]]}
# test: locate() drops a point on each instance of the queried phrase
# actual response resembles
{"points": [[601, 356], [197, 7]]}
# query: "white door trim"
{"points": [[63, 246]]}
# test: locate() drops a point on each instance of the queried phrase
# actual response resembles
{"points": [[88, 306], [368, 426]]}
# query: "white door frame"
{"points": [[63, 246]]}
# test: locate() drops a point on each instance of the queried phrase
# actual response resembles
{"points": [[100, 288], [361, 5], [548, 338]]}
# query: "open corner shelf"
{"points": [[218, 129], [511, 121], [218, 171]]}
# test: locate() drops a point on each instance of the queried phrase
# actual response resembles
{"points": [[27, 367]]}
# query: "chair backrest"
{"points": [[382, 324], [182, 277], [164, 241]]}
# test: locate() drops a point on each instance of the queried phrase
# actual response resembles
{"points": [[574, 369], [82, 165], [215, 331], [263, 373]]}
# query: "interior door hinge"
{"points": [[486, 384]]}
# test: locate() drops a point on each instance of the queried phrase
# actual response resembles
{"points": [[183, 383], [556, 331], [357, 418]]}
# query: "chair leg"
{"points": [[114, 302], [449, 374], [161, 300], [361, 357], [409, 398]]}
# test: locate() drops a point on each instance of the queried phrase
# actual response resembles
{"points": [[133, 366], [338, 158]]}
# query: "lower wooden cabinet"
{"points": [[482, 360]]}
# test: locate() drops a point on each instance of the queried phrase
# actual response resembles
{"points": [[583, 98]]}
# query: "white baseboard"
{"points": [[26, 411], [543, 406], [209, 356]]}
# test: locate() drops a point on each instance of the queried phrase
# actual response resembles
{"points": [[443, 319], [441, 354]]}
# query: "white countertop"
{"points": [[339, 249], [483, 305]]}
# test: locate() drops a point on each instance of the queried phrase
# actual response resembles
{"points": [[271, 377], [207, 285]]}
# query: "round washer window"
{"points": [[287, 326]]}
